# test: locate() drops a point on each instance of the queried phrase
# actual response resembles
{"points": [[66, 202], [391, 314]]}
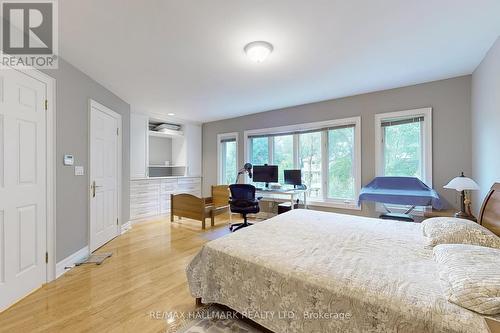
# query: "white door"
{"points": [[22, 185], [105, 169]]}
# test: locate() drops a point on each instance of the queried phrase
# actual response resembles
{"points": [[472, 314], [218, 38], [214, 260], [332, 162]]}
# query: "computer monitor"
{"points": [[293, 177], [265, 174]]}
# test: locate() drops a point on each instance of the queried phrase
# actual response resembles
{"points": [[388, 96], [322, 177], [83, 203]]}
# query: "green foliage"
{"points": [[260, 151], [403, 150], [230, 160], [310, 162], [341, 163], [259, 154], [283, 154]]}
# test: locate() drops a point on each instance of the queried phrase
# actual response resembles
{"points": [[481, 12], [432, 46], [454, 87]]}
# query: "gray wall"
{"points": [[74, 89], [486, 123], [450, 100]]}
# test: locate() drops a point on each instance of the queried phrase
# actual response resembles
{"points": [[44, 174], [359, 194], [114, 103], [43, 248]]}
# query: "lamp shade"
{"points": [[462, 183]]}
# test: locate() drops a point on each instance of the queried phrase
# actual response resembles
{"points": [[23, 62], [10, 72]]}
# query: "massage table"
{"points": [[407, 191]]}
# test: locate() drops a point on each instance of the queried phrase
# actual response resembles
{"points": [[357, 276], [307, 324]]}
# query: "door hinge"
{"points": [[46, 257], [46, 105], [117, 131], [117, 222]]}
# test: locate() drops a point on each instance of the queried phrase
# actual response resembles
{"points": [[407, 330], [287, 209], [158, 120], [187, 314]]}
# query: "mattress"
{"points": [[310, 271]]}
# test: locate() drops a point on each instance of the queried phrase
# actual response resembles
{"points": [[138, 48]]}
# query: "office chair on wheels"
{"points": [[243, 201]]}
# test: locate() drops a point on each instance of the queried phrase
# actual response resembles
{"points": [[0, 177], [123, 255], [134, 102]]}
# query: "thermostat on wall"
{"points": [[68, 160]]}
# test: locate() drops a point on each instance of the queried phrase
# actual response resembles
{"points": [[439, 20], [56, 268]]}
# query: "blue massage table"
{"points": [[408, 191]]}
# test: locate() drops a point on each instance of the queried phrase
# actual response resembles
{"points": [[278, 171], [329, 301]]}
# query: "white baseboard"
{"points": [[70, 261], [126, 227]]}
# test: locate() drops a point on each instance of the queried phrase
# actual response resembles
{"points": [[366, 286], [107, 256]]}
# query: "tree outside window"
{"points": [[341, 183], [403, 150], [283, 154], [229, 162], [260, 151], [310, 162]]}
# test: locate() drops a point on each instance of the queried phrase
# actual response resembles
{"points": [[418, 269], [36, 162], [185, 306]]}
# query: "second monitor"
{"points": [[293, 177]]}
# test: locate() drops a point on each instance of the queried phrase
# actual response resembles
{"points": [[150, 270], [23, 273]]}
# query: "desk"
{"points": [[291, 194]]}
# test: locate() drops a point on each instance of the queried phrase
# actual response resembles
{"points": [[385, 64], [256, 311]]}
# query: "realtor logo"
{"points": [[29, 33]]}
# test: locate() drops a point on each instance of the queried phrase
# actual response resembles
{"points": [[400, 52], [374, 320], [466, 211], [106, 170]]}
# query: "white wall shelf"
{"points": [[150, 149]]}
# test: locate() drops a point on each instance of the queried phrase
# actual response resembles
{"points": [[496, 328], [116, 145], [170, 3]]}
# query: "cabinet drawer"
{"points": [[144, 203], [195, 180], [168, 188], [144, 210], [148, 195], [144, 187], [150, 189], [138, 183], [188, 187]]}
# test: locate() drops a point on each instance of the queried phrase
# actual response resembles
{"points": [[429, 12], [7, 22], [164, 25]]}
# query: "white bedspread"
{"points": [[309, 271]]}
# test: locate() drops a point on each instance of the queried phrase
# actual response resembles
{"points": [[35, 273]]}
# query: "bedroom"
{"points": [[317, 104]]}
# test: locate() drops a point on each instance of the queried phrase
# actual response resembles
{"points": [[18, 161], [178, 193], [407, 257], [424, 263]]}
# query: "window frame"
{"points": [[220, 166], [426, 140], [296, 129]]}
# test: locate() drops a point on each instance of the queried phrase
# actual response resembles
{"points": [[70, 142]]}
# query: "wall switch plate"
{"points": [[68, 160], [79, 171]]}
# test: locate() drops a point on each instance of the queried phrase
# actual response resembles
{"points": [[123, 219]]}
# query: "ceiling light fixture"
{"points": [[258, 51], [171, 114]]}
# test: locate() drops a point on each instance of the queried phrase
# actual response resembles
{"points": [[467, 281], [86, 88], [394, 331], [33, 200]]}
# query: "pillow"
{"points": [[451, 230], [470, 276]]}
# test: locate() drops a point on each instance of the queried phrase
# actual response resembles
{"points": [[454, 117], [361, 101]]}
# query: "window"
{"points": [[404, 144], [310, 162], [402, 147], [328, 154], [283, 154], [228, 158], [259, 151], [341, 163]]}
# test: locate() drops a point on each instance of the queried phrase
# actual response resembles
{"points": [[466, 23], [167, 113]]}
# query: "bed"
{"points": [[310, 271]]}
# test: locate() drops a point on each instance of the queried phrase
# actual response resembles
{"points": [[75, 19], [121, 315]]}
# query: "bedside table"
{"points": [[493, 325], [445, 213]]}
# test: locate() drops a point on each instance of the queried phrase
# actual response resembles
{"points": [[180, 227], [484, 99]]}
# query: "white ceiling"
{"points": [[186, 56]]}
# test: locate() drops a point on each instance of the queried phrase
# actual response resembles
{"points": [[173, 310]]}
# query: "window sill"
{"points": [[333, 204]]}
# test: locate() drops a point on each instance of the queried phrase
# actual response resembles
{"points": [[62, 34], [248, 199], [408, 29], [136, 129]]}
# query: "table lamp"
{"points": [[462, 184]]}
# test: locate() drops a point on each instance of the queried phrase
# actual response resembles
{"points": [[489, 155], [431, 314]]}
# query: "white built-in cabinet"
{"points": [[185, 147], [189, 149], [139, 145], [150, 196]]}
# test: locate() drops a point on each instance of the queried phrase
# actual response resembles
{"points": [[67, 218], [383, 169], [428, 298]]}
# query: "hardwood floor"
{"points": [[145, 274]]}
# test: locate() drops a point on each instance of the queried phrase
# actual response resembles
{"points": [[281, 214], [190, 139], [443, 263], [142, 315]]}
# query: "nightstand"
{"points": [[445, 213], [493, 325]]}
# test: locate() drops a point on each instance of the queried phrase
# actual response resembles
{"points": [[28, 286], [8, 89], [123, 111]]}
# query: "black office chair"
{"points": [[243, 201]]}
